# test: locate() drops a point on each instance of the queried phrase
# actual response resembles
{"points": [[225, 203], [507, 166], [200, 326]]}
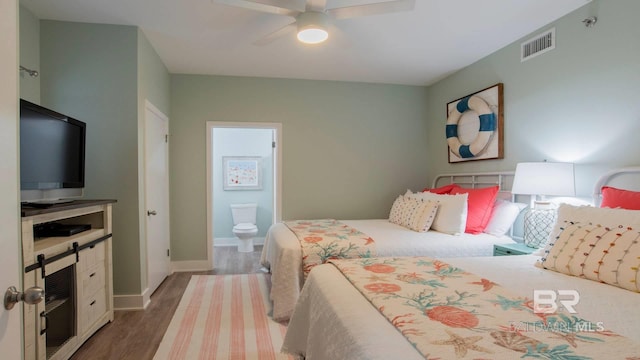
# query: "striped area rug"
{"points": [[223, 317]]}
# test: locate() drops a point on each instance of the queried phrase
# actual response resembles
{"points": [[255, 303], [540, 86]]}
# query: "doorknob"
{"points": [[151, 212], [31, 296]]}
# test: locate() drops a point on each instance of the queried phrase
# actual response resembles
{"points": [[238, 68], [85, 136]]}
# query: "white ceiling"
{"points": [[414, 48]]}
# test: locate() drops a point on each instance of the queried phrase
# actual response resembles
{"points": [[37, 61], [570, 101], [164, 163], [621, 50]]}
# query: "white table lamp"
{"points": [[540, 179]]}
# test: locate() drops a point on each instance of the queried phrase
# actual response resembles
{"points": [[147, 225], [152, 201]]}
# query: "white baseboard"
{"points": [[132, 302], [146, 298], [232, 241]]}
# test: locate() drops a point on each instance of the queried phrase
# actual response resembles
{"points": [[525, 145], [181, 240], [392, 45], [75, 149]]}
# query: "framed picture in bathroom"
{"points": [[241, 173]]}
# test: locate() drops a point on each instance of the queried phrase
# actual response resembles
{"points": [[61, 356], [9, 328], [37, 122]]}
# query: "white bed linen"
{"points": [[332, 320], [282, 254]]}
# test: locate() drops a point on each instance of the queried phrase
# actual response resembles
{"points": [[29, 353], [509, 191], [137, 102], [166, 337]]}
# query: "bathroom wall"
{"points": [[241, 142]]}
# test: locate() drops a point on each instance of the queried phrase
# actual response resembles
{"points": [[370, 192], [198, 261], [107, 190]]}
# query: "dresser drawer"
{"points": [[92, 280], [91, 256], [93, 307]]}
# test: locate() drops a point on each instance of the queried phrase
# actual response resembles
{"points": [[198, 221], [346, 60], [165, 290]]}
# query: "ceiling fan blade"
{"points": [[269, 38], [384, 7], [278, 7]]}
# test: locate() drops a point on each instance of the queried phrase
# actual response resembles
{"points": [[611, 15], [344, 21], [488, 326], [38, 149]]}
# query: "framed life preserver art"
{"points": [[475, 123]]}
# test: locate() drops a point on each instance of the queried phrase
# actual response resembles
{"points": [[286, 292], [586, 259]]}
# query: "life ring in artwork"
{"points": [[487, 127]]}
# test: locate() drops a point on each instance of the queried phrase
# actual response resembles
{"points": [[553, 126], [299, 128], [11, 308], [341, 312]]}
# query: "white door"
{"points": [[10, 328], [157, 196]]}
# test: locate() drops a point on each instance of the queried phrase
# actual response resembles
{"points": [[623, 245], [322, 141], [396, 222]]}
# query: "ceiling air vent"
{"points": [[538, 45]]}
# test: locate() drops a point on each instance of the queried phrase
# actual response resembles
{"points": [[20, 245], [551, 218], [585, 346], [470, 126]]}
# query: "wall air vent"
{"points": [[538, 45]]}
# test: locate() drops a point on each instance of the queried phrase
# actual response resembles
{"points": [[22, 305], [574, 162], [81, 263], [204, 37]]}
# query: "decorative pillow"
{"points": [[446, 189], [395, 215], [619, 198], [480, 205], [451, 217], [599, 244], [584, 213], [418, 214], [413, 213], [504, 215]]}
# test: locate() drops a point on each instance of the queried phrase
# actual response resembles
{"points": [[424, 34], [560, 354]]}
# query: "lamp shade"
{"points": [[544, 178]]}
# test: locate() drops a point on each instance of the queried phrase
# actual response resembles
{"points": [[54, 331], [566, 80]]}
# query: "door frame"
{"points": [[11, 324], [147, 292], [277, 173]]}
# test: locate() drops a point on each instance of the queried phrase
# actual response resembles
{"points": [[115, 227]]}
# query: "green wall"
{"points": [[153, 77], [348, 148], [29, 55], [576, 103], [101, 74], [89, 71], [153, 86]]}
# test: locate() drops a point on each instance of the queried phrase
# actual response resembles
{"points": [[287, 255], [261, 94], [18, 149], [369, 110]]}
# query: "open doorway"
{"points": [[243, 168]]}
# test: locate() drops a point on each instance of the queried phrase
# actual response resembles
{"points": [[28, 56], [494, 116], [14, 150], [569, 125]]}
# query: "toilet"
{"points": [[244, 221]]}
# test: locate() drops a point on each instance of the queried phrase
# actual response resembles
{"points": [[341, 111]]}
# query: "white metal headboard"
{"points": [[504, 180], [627, 178]]}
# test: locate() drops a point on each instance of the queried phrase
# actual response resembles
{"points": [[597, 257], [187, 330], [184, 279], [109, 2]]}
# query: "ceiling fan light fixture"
{"points": [[312, 27], [312, 35]]}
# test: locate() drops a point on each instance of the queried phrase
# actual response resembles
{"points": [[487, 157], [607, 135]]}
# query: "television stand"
{"points": [[43, 204], [78, 262]]}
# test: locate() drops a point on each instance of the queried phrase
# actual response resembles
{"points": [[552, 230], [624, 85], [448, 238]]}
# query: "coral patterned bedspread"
{"points": [[327, 239], [443, 310]]}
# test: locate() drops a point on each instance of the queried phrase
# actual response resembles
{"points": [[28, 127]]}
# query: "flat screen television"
{"points": [[52, 155]]}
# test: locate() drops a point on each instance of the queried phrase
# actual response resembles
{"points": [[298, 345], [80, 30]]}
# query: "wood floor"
{"points": [[136, 335]]}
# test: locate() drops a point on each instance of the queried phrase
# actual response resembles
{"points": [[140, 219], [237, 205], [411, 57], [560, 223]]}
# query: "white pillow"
{"points": [[504, 215], [451, 217]]}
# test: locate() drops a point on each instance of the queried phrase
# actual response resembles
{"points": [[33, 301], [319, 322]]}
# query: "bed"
{"points": [[282, 254], [334, 320]]}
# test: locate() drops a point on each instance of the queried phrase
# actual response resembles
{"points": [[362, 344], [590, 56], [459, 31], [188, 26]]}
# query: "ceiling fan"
{"points": [[311, 18]]}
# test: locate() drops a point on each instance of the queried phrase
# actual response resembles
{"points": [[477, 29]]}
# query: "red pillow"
{"points": [[479, 205], [442, 189], [619, 198]]}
